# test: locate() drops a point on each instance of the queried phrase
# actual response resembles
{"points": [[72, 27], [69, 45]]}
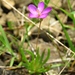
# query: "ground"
{"points": [[55, 39]]}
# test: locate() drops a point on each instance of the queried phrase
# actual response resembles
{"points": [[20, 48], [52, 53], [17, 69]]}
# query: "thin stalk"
{"points": [[38, 32], [69, 5]]}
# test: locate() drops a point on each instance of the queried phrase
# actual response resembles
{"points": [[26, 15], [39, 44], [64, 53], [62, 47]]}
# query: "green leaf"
{"points": [[9, 23], [42, 57], [6, 42], [73, 12], [31, 54], [2, 39], [37, 55], [12, 61], [35, 2], [46, 2], [24, 59], [47, 57], [67, 36], [67, 13]]}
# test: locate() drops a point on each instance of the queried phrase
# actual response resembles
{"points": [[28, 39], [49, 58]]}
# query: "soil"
{"points": [[49, 24]]}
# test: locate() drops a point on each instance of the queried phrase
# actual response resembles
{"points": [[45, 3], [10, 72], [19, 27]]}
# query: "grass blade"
{"points": [[67, 36], [6, 43], [46, 59]]}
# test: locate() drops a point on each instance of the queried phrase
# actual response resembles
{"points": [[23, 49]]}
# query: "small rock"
{"points": [[62, 17], [3, 19], [11, 17], [52, 72], [55, 3], [71, 34], [1, 12], [11, 2], [22, 3], [55, 27]]}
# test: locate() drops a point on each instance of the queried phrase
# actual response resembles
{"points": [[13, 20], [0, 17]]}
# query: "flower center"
{"points": [[39, 13]]}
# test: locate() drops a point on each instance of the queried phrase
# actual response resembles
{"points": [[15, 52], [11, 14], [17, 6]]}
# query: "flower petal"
{"points": [[41, 6], [43, 16], [47, 10], [32, 8], [33, 16]]}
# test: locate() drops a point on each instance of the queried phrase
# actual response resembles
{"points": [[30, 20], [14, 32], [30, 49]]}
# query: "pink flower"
{"points": [[38, 12]]}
